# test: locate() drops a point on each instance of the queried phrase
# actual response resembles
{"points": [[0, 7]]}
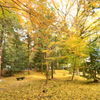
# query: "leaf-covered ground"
{"points": [[33, 87]]}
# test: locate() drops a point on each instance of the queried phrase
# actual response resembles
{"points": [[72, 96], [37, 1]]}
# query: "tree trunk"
{"points": [[42, 61], [74, 69], [28, 51], [28, 68], [28, 62], [95, 79], [0, 59], [52, 63], [46, 68], [51, 68], [42, 67], [73, 74], [1, 39], [85, 65]]}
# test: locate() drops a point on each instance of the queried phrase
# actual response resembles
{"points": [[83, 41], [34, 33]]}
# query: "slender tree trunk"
{"points": [[74, 69], [84, 68], [46, 68], [28, 64], [28, 61], [51, 68], [95, 79], [54, 67], [0, 59], [51, 65], [34, 65], [28, 51], [42, 67], [42, 60], [73, 74], [1, 39]]}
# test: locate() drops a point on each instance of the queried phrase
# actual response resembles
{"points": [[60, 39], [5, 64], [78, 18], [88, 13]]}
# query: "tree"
{"points": [[1, 40], [93, 65], [77, 31], [6, 19], [56, 32], [30, 13]]}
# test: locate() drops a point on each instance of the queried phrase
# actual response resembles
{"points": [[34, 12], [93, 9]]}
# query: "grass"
{"points": [[33, 87]]}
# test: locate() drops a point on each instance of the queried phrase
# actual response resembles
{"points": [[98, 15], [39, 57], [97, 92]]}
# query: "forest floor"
{"points": [[33, 87]]}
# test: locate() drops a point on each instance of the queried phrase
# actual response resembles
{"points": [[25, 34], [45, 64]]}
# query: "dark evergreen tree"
{"points": [[92, 68]]}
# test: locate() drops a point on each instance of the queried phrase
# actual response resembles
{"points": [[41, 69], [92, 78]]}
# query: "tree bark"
{"points": [[46, 68], [74, 69], [28, 62], [73, 74], [95, 79], [42, 60], [1, 39], [51, 64], [0, 59], [42, 67], [28, 50], [51, 68]]}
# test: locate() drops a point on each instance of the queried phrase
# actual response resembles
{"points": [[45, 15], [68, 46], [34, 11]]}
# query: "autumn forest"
{"points": [[49, 49]]}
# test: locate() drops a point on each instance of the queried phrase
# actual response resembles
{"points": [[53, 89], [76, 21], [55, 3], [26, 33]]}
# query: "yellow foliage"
{"points": [[94, 3], [51, 44], [44, 50], [57, 89]]}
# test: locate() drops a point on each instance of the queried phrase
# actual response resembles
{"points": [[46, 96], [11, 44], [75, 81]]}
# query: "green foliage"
{"points": [[14, 53], [38, 59], [92, 68], [52, 8], [12, 49], [56, 34]]}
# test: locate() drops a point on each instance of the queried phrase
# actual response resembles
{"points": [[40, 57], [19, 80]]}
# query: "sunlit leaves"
{"points": [[95, 3], [27, 8]]}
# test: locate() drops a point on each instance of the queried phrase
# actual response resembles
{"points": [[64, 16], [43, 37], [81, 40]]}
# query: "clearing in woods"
{"points": [[33, 87]]}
